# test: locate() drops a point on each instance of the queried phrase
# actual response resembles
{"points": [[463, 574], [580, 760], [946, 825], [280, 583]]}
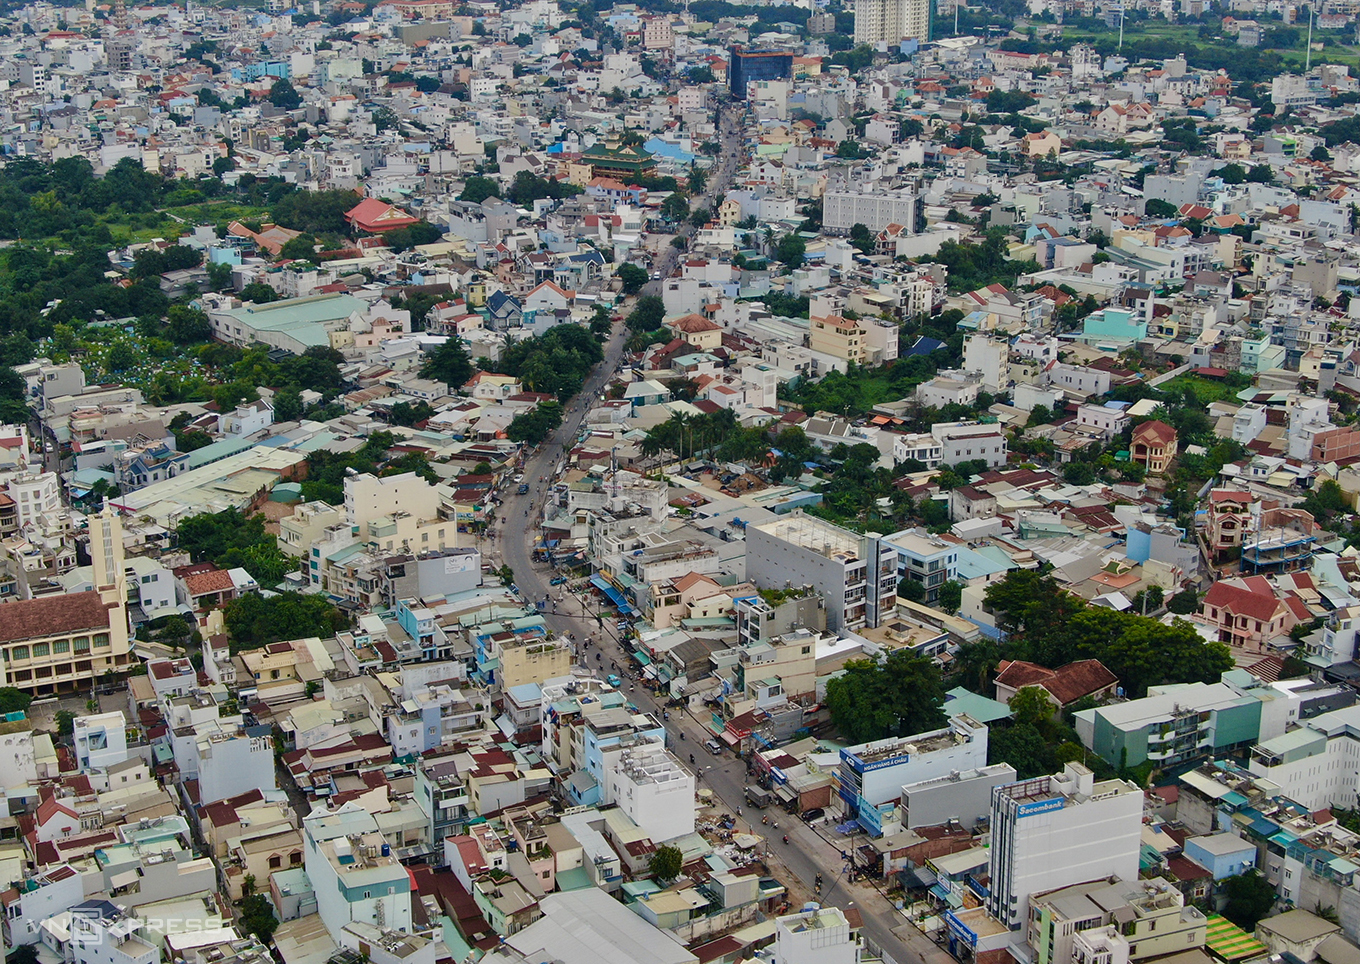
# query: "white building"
{"points": [[872, 774], [18, 765], [231, 761], [353, 872], [102, 934], [821, 936], [1052, 832], [44, 894], [969, 441], [856, 575], [843, 209], [990, 358], [247, 419], [1109, 419], [100, 741], [1316, 764], [919, 446], [35, 496], [651, 787]]}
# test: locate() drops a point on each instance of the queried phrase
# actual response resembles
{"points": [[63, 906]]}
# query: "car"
{"points": [[519, 478], [713, 746], [814, 814]]}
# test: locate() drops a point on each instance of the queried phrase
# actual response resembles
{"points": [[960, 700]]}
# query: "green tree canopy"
{"points": [[449, 363], [253, 620], [1250, 897], [647, 314], [895, 696], [477, 189], [666, 862], [284, 95], [632, 277]]}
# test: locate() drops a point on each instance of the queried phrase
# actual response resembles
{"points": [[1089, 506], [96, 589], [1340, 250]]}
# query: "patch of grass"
{"points": [[1207, 390], [214, 212]]}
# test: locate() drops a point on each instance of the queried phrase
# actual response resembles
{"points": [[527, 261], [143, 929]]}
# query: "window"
{"points": [[61, 646], [19, 652], [101, 640], [82, 644], [40, 649], [275, 862]]}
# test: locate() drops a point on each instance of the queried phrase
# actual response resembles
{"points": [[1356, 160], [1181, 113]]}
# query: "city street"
{"points": [[811, 849]]}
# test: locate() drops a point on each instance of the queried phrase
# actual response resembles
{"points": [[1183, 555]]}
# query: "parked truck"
{"points": [[759, 796]]}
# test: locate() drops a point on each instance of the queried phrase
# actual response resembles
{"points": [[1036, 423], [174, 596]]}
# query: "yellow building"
{"points": [[534, 660], [58, 644], [839, 337]]}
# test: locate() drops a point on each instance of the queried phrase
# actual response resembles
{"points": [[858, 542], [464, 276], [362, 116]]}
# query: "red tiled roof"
{"points": [[52, 616], [1242, 602], [202, 583], [1156, 430], [1067, 683]]}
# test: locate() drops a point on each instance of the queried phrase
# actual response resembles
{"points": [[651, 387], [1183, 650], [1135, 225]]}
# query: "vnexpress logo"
{"points": [[87, 927]]}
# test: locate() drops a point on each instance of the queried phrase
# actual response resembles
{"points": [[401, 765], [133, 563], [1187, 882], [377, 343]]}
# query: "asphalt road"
{"points": [[811, 849]]}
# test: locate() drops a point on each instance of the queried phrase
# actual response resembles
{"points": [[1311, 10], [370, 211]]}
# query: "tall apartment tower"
{"points": [[1056, 831], [877, 21]]}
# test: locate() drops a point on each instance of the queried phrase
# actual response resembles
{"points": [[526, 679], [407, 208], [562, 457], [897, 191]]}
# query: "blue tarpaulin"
{"points": [[616, 597]]}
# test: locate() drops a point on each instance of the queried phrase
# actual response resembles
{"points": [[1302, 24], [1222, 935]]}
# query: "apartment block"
{"points": [[854, 574], [1052, 832]]}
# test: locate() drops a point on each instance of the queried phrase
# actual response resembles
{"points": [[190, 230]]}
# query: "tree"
{"points": [[647, 314], [301, 248], [911, 590], [632, 278], [666, 862], [1023, 747], [791, 250], [1157, 208], [254, 620], [477, 189], [257, 917], [449, 363], [287, 406], [259, 293], [1184, 602], [66, 722], [951, 596], [13, 700], [675, 207], [407, 414], [121, 357], [1031, 704], [23, 954], [894, 696], [284, 96], [219, 276], [861, 237], [188, 326], [1250, 897], [533, 427]]}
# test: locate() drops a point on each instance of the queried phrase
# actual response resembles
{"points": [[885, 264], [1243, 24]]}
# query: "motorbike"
{"points": [[786, 838], [691, 758]]}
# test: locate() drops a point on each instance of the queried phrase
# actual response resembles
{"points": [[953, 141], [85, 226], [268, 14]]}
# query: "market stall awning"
{"points": [[614, 596]]}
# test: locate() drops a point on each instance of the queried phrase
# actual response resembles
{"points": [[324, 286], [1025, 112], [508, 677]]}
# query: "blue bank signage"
{"points": [[1035, 807]]}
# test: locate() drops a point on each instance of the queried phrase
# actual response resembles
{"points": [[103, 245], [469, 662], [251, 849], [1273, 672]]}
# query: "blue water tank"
{"points": [[387, 850]]}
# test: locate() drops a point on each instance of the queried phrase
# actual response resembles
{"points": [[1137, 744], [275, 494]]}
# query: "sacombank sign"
{"points": [[1035, 807]]}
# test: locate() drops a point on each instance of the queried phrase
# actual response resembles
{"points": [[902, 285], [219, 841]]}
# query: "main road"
{"points": [[812, 849]]}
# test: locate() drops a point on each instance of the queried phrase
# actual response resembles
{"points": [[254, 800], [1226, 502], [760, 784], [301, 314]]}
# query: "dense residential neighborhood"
{"points": [[828, 482]]}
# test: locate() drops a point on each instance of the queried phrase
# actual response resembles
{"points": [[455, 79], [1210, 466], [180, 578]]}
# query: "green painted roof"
{"points": [[301, 318]]}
